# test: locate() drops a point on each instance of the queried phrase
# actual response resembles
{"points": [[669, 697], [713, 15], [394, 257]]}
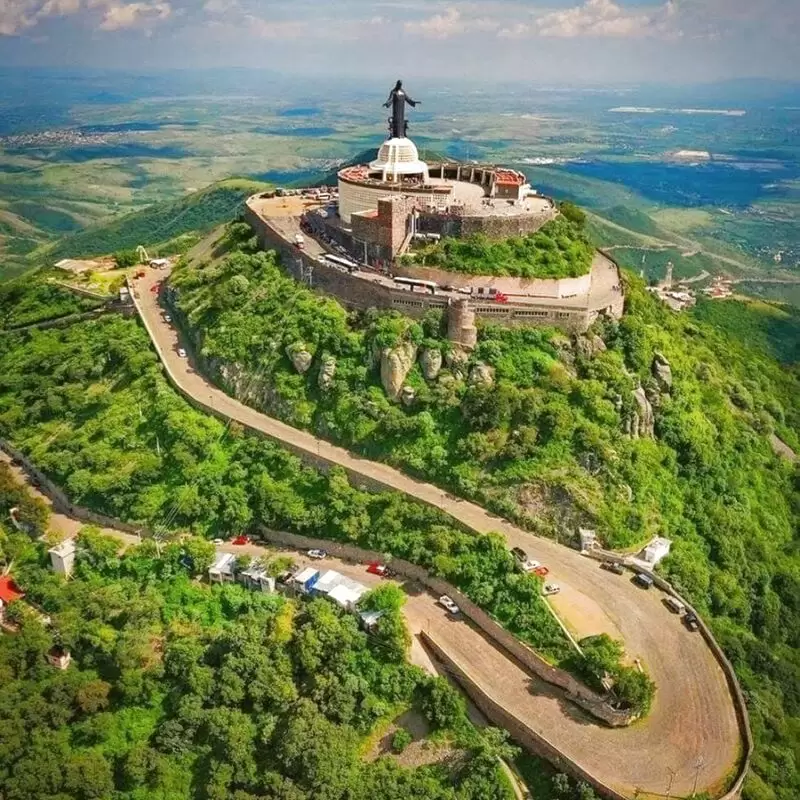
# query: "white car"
{"points": [[219, 541], [530, 565], [447, 602], [167, 318], [317, 554], [551, 588], [181, 353]]}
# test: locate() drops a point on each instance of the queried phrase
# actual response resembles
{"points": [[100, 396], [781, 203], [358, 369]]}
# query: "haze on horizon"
{"points": [[590, 41]]}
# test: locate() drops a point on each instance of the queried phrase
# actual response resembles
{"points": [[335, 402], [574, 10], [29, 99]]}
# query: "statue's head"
{"points": [[398, 85]]}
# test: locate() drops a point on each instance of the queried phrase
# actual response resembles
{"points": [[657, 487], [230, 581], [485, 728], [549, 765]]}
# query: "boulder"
{"points": [[326, 373], [430, 362], [481, 375], [408, 395], [662, 372], [300, 357], [642, 421], [396, 363], [456, 358], [588, 346]]}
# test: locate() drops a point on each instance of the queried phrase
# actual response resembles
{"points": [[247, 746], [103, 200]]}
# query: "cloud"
{"points": [[452, 22], [17, 16], [604, 18], [117, 16]]}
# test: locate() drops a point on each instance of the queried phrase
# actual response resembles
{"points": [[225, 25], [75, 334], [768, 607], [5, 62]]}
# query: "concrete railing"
{"points": [[739, 702], [522, 733], [61, 502], [574, 690]]}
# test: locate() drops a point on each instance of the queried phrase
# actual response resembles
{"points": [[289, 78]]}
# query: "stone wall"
{"points": [[740, 705], [493, 226], [539, 287], [573, 689], [355, 292]]}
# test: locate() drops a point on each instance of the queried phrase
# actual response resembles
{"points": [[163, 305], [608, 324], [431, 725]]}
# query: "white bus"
{"points": [[414, 283], [339, 262]]}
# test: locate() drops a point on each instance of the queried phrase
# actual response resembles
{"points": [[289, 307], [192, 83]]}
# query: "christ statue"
{"points": [[398, 124]]}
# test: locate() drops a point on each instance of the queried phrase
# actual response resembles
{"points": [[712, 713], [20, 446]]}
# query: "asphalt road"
{"points": [[691, 733]]}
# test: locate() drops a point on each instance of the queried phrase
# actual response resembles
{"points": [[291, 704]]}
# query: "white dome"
{"points": [[399, 157]]}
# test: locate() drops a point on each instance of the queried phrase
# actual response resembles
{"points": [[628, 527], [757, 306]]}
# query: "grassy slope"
{"points": [[160, 222]]}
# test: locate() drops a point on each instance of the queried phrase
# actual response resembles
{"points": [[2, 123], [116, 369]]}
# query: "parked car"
{"points": [[690, 621], [317, 554], [181, 353], [613, 566], [674, 605], [541, 571], [376, 568], [551, 588], [519, 554], [447, 602], [530, 565], [241, 540], [167, 318], [219, 541], [642, 580]]}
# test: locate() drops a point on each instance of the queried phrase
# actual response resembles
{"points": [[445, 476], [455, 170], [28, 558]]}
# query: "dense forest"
{"points": [[26, 301], [107, 427], [549, 442], [181, 690], [560, 249]]}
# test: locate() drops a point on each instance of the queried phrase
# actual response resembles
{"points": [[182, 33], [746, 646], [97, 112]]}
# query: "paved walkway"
{"points": [[693, 714]]}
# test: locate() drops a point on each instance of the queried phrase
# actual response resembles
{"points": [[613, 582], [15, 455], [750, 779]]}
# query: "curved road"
{"points": [[691, 736]]}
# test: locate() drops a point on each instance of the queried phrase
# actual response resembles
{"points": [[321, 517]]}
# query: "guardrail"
{"points": [[740, 704]]}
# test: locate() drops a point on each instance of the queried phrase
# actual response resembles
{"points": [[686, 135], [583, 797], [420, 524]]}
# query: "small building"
{"points": [[62, 557], [657, 550], [257, 578], [59, 657], [159, 263], [588, 539], [347, 593], [9, 592], [306, 579], [327, 581], [223, 570], [369, 620]]}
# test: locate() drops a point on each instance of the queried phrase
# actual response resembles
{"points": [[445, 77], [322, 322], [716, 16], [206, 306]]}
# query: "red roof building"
{"points": [[9, 591]]}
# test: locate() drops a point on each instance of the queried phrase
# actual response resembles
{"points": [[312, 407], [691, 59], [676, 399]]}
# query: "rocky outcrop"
{"points": [[396, 363], [408, 395], [662, 372], [300, 357], [326, 373], [481, 375], [430, 361], [641, 422], [589, 345]]}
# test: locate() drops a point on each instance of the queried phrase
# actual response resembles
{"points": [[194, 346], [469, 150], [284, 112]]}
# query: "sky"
{"points": [[544, 41]]}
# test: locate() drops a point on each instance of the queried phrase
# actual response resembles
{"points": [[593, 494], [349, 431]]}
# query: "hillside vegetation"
{"points": [[161, 222], [560, 249], [546, 444], [182, 690]]}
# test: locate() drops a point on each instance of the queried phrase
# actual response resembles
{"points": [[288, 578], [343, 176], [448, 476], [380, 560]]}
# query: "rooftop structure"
{"points": [[223, 568], [62, 557]]}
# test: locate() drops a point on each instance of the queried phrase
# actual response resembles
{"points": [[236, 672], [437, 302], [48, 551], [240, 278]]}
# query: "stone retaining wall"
{"points": [[519, 731], [355, 292], [574, 690], [739, 703]]}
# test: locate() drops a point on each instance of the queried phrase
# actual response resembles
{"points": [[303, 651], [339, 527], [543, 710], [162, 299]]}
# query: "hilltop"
{"points": [[160, 223]]}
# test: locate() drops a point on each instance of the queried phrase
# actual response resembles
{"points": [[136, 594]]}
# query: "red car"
{"points": [[376, 568], [241, 540], [501, 298], [541, 571]]}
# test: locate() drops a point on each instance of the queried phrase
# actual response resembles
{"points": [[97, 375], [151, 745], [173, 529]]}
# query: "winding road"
{"points": [[689, 742]]}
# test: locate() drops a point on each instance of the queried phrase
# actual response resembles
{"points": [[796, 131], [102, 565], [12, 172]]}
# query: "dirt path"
{"points": [[693, 714]]}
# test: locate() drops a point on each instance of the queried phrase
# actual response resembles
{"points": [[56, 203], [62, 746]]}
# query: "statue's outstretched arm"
{"points": [[389, 101], [411, 102]]}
